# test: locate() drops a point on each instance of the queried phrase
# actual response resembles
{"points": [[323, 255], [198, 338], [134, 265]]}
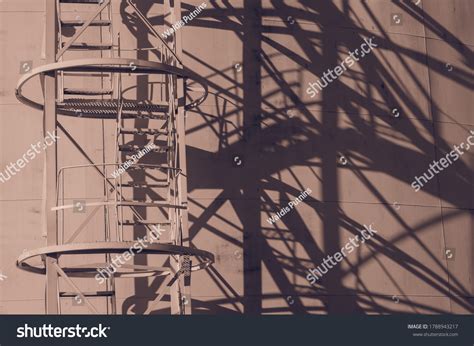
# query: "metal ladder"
{"points": [[159, 189], [74, 25], [155, 208], [102, 20], [155, 194]]}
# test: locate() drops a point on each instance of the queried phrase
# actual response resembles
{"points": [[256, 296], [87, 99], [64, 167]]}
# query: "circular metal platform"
{"points": [[107, 109], [101, 248]]}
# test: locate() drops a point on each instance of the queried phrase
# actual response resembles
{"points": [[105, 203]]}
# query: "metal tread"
{"points": [[113, 105], [146, 131], [89, 46], [144, 184], [142, 222], [151, 166], [108, 109], [85, 91], [87, 294], [110, 114], [137, 148], [78, 22], [158, 203], [87, 2]]}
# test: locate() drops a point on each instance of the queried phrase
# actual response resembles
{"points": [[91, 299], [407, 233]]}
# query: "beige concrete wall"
{"points": [[287, 142]]}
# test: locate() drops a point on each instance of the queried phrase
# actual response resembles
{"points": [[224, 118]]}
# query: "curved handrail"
{"points": [[120, 65], [108, 248]]}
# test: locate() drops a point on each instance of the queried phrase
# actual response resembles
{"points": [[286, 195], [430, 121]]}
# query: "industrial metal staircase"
{"points": [[149, 192]]}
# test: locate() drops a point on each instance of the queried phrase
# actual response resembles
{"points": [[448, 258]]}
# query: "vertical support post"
{"points": [[183, 190], [50, 86], [182, 285]]}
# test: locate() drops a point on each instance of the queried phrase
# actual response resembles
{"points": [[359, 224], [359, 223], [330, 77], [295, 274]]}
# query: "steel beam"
{"points": [[50, 91], [182, 178]]}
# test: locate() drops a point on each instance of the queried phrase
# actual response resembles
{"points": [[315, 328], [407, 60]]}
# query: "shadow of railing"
{"points": [[354, 108]]}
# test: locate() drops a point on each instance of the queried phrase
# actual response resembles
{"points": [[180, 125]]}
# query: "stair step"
{"points": [[142, 222], [142, 166], [79, 91], [144, 184], [90, 46], [81, 1], [137, 148], [87, 294], [162, 204], [91, 105], [133, 131], [75, 22]]}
